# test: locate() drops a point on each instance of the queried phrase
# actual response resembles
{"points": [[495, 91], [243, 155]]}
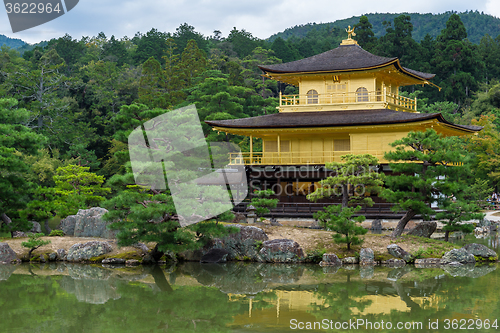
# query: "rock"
{"points": [[275, 222], [42, 258], [396, 251], [480, 250], [239, 218], [87, 223], [18, 234], [132, 262], [114, 261], [281, 250], [350, 260], [458, 255], [215, 256], [366, 257], [36, 229], [423, 229], [53, 256], [330, 259], [376, 225], [242, 244], [394, 263], [141, 246], [6, 253], [427, 263], [85, 251], [61, 254]]}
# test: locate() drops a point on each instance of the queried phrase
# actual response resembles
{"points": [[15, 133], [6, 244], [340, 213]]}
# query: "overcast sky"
{"points": [[260, 17]]}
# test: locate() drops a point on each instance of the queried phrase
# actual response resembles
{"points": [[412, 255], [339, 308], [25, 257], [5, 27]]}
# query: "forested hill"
{"points": [[477, 25], [13, 43]]}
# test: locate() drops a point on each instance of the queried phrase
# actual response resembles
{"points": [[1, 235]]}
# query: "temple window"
{"points": [[361, 95], [312, 97]]}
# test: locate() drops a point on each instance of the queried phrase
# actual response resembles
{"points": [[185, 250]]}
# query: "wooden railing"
{"points": [[295, 158], [391, 99]]}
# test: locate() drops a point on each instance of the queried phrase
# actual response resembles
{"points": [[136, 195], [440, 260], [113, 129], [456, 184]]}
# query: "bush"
{"points": [[58, 233]]}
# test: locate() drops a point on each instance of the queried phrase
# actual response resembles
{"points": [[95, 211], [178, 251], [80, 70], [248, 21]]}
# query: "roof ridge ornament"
{"points": [[350, 34]]}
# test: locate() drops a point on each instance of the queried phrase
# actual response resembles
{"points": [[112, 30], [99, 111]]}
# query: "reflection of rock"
{"points": [[458, 255], [281, 250], [89, 290], [330, 269], [480, 250], [366, 271], [85, 251], [6, 253], [394, 263], [397, 273], [6, 271], [77, 271], [468, 270], [87, 223], [237, 278]]}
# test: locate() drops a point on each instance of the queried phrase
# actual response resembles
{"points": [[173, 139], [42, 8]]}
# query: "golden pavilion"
{"points": [[348, 103]]}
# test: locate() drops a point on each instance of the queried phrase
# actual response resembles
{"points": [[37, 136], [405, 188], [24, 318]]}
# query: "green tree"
{"points": [[425, 164], [15, 140], [353, 178], [151, 91], [262, 202], [364, 34], [340, 220], [34, 243], [193, 62]]}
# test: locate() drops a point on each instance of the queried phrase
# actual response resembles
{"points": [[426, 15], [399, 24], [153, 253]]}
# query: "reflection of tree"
{"points": [[341, 298]]}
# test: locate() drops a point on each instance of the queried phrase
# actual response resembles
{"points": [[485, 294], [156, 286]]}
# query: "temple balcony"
{"points": [[297, 158], [346, 101]]}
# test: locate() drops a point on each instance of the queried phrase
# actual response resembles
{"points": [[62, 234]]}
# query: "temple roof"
{"points": [[343, 58], [335, 119]]}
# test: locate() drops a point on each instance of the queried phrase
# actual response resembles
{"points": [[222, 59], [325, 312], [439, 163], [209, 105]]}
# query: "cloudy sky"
{"points": [[260, 17]]}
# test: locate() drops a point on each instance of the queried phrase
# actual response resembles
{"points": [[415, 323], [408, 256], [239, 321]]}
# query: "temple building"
{"points": [[348, 103]]}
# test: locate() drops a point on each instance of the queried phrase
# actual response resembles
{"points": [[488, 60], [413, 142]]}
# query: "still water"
{"points": [[247, 297]]}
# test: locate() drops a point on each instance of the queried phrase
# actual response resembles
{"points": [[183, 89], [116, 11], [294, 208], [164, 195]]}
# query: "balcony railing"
{"points": [[295, 158], [390, 100]]}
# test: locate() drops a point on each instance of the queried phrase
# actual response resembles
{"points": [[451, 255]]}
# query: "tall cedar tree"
{"points": [[424, 171], [15, 139]]}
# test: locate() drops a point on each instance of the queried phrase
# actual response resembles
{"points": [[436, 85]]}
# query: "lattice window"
{"points": [[312, 97], [361, 94]]}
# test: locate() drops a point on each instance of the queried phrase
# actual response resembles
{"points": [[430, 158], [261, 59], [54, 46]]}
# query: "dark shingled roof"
{"points": [[333, 119], [343, 58]]}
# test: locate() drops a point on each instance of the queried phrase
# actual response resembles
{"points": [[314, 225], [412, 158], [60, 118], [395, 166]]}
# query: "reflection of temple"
{"points": [[348, 102]]}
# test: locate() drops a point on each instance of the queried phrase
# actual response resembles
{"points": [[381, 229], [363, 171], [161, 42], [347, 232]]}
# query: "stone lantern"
{"points": [[251, 216]]}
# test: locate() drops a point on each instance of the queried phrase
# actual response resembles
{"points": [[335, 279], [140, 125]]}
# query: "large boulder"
{"points": [[330, 259], [423, 229], [215, 256], [366, 257], [242, 244], [461, 256], [480, 251], [7, 254], [281, 250], [85, 251], [396, 251], [87, 223]]}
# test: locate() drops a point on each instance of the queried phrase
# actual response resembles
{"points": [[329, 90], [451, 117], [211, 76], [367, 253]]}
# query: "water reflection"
{"points": [[232, 297]]}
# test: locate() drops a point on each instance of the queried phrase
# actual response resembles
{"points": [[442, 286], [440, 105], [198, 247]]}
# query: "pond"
{"points": [[247, 297]]}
